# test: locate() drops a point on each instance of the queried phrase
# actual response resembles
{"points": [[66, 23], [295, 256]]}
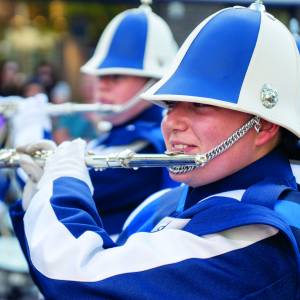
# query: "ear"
{"points": [[269, 132]]}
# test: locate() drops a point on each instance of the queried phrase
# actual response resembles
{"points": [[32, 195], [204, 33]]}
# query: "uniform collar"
{"points": [[273, 167]]}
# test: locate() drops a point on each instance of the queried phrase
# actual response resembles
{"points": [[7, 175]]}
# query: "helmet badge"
{"points": [[258, 5], [146, 2], [268, 96]]}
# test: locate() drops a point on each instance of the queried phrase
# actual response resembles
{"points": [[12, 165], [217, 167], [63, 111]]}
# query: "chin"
{"points": [[192, 179], [186, 178]]}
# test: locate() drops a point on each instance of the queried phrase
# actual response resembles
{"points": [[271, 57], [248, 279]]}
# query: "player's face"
{"points": [[118, 89], [196, 128]]}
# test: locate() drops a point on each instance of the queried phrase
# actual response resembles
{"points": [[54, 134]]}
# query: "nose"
{"points": [[177, 119]]}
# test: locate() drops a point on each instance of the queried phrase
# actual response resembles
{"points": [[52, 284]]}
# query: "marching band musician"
{"points": [[230, 231], [133, 52]]}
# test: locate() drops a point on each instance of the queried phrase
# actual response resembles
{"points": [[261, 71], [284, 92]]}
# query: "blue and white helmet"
{"points": [[136, 42], [241, 59]]}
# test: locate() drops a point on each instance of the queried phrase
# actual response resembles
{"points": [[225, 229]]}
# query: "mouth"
{"points": [[182, 149], [105, 101]]}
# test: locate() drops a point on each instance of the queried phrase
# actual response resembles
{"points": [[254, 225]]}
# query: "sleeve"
{"points": [[5, 185], [17, 214], [72, 257]]}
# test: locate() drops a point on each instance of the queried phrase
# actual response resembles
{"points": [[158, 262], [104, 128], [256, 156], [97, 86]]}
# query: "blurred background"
{"points": [[44, 43], [47, 41]]}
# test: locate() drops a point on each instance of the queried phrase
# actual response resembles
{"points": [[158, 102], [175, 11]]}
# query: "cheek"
{"points": [[207, 134], [211, 133], [122, 94], [115, 95]]}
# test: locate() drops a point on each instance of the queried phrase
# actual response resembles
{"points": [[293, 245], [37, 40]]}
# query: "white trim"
{"points": [[56, 254], [234, 194], [124, 71]]}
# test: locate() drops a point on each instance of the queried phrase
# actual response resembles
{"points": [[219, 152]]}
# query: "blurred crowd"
{"points": [[45, 79]]}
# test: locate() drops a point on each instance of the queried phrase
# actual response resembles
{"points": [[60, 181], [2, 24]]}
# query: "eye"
{"points": [[112, 78], [170, 105], [117, 77], [200, 105]]}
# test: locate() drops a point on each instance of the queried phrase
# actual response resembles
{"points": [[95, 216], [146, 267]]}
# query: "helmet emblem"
{"points": [[269, 96]]}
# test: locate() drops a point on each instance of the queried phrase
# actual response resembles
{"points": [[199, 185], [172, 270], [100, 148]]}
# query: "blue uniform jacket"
{"points": [[117, 192], [232, 239]]}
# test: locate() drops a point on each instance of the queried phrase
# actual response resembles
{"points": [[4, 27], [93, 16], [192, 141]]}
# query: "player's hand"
{"points": [[67, 161], [31, 169]]}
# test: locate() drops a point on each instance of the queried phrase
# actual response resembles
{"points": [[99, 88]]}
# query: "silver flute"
{"points": [[10, 158], [69, 108], [177, 162], [8, 108]]}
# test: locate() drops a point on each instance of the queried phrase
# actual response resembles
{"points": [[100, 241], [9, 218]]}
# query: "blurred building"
{"points": [[65, 32], [183, 16]]}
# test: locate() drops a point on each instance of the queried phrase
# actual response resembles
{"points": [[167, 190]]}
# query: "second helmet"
{"points": [[136, 42]]}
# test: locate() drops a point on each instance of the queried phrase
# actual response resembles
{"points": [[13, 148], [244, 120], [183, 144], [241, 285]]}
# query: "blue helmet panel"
{"points": [[128, 44], [214, 66]]}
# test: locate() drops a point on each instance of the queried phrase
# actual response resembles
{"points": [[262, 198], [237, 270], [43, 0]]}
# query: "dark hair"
{"points": [[290, 144]]}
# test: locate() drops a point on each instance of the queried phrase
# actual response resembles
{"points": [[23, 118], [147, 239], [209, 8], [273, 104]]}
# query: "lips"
{"points": [[182, 147], [105, 101]]}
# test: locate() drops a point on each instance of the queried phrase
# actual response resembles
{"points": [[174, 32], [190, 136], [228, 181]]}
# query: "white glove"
{"points": [[67, 161], [32, 169], [31, 120]]}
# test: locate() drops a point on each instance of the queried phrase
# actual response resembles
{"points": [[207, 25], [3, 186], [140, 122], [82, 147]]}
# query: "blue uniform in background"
{"points": [[232, 239], [117, 192]]}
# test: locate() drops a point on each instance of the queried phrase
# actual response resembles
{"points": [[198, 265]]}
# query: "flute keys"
{"points": [[201, 160], [172, 153], [125, 157]]}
